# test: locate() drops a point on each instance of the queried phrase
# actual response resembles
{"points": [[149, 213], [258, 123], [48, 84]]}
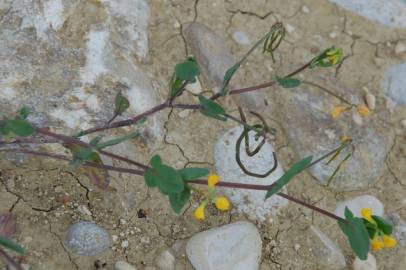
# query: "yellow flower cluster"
{"points": [[221, 202], [380, 240]]}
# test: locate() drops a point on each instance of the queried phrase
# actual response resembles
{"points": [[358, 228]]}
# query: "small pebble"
{"points": [[166, 261], [122, 265], [125, 244], [400, 48], [84, 210], [370, 101], [305, 9], [296, 247], [403, 123], [290, 28], [333, 35], [357, 119]]}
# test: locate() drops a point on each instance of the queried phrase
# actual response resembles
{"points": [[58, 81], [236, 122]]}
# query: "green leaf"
{"points": [[356, 233], [288, 82], [117, 140], [121, 103], [24, 112], [295, 169], [187, 70], [10, 244], [227, 78], [156, 161], [168, 179], [4, 129], [212, 109], [150, 179], [193, 173], [178, 200], [383, 225], [20, 127], [95, 140]]}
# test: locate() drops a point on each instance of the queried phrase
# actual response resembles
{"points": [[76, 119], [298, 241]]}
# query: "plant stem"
{"points": [[68, 139], [198, 181], [8, 260]]}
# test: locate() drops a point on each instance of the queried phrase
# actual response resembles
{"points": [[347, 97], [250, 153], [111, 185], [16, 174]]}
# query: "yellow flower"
{"points": [[337, 111], [222, 203], [199, 212], [212, 180], [334, 55], [363, 110], [367, 214], [389, 241], [377, 244]]}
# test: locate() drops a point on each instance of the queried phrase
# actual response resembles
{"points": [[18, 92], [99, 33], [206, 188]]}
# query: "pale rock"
{"points": [[122, 265], [403, 123], [333, 34], [357, 203], [394, 82], [125, 244], [305, 9], [236, 246], [251, 202], [370, 101], [390, 13], [290, 28], [357, 118], [368, 264], [86, 239], [325, 251], [400, 48], [194, 88], [241, 38], [84, 210], [166, 260]]}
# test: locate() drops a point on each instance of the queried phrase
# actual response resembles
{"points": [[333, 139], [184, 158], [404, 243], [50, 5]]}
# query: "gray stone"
{"points": [[166, 260], [357, 203], [390, 12], [122, 265], [251, 202], [368, 264], [215, 59], [325, 251], [241, 38], [394, 83], [312, 131], [399, 228], [86, 239], [236, 246]]}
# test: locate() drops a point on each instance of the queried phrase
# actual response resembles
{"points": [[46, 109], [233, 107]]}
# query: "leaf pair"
{"points": [[19, 125], [172, 182]]}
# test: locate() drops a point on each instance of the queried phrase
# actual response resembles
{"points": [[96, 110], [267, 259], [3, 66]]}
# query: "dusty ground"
{"points": [[34, 190]]}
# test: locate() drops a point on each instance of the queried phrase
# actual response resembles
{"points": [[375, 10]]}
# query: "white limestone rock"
{"points": [[236, 246], [251, 202], [368, 264]]}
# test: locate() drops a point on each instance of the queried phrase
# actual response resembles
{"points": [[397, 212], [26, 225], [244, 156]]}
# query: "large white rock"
{"points": [[251, 202], [388, 12], [235, 246], [368, 264], [394, 83], [325, 251], [356, 204]]}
